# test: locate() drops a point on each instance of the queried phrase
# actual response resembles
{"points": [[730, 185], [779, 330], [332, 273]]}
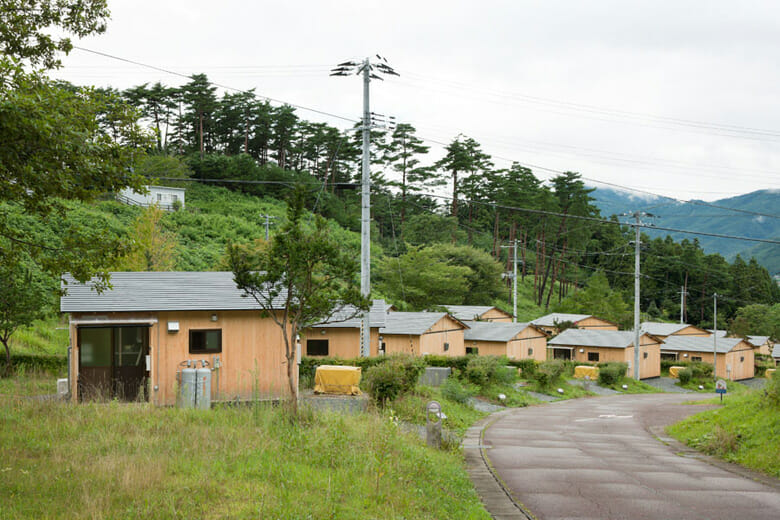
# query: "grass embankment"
{"points": [[130, 461], [745, 430]]}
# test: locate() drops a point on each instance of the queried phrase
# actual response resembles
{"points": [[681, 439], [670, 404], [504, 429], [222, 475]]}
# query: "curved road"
{"points": [[596, 459]]}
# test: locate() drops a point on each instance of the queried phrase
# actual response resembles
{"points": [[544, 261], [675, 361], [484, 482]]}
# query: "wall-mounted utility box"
{"points": [[173, 326]]}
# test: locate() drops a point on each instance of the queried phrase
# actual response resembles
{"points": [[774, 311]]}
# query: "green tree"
{"points": [[463, 157], [757, 320], [305, 268], [152, 248], [598, 299]]}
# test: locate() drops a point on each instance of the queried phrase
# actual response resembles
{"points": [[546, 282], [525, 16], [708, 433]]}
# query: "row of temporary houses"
{"points": [[138, 336]]}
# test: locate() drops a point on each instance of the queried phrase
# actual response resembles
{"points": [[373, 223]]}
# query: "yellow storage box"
{"points": [[583, 370], [338, 380], [770, 372], [675, 371]]}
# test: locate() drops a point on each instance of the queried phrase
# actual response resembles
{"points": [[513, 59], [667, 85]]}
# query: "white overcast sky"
{"points": [[678, 98]]}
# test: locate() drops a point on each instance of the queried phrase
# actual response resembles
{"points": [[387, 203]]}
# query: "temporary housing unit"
{"points": [[600, 346], [165, 197], [735, 355], [776, 354], [478, 313], [514, 340], [762, 344], [664, 330], [422, 333], [132, 340], [551, 322], [340, 335]]}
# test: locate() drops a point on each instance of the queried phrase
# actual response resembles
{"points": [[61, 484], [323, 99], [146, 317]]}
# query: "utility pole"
{"points": [[637, 347], [367, 70], [514, 279], [683, 293], [268, 219], [715, 336]]}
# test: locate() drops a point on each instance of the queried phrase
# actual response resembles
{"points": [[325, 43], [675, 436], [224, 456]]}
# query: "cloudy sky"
{"points": [[676, 98]]}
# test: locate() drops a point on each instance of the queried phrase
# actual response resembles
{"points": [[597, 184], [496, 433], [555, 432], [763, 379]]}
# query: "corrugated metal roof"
{"points": [[720, 332], [414, 323], [656, 328], [469, 312], [776, 351], [699, 343], [492, 331], [593, 338], [377, 316], [558, 317], [160, 291]]}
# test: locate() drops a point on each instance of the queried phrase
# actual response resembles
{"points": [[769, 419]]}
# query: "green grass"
{"points": [[134, 461], [569, 391], [745, 430], [733, 387], [49, 337], [411, 408], [634, 387], [27, 384], [514, 398]]}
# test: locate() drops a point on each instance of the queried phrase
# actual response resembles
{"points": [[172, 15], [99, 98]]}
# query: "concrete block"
{"points": [[434, 376]]}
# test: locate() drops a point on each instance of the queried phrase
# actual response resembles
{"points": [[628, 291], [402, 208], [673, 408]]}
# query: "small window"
{"points": [[530, 352], [159, 197], [446, 347], [645, 355], [316, 347], [472, 350], [205, 341], [695, 358], [593, 356], [741, 359]]}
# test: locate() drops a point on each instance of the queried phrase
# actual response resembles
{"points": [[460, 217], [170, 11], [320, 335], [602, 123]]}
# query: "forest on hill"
{"points": [[239, 157]]}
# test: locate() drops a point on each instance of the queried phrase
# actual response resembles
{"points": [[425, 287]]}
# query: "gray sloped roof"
{"points": [[468, 312], [758, 340], [346, 318], [492, 331], [414, 323], [593, 338], [776, 351], [720, 332], [160, 291], [657, 328], [551, 320], [699, 343]]}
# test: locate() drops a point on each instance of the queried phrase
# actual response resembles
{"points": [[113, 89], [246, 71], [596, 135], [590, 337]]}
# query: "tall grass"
{"points": [[134, 460]]}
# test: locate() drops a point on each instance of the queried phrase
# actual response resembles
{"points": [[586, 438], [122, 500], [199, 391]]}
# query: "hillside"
{"points": [[709, 219]]}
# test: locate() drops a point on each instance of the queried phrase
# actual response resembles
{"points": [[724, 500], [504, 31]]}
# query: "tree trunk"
{"points": [[7, 368], [496, 246], [455, 193], [551, 258], [556, 263], [525, 237]]}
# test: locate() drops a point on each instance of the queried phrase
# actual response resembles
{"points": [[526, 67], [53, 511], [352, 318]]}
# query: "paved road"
{"points": [[595, 459]]}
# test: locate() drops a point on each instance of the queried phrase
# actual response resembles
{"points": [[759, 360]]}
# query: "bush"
{"points": [[454, 362], [611, 374], [45, 363], [772, 390], [454, 390], [396, 376], [701, 371], [486, 370], [549, 373], [528, 367], [685, 375]]}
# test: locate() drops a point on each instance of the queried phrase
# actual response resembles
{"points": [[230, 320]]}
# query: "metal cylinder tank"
{"points": [[188, 388], [203, 397]]}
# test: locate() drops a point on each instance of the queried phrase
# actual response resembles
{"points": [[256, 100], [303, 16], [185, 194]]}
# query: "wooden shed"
{"points": [[514, 340], [664, 330], [735, 355], [551, 322], [340, 335], [600, 346], [776, 354], [478, 313], [129, 342], [421, 333], [762, 344]]}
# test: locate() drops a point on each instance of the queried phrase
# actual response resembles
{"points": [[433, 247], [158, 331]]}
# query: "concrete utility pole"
{"points": [[514, 279], [367, 70], [683, 293], [637, 333], [715, 336], [268, 219]]}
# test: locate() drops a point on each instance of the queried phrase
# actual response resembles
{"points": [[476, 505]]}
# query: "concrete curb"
{"points": [[494, 495]]}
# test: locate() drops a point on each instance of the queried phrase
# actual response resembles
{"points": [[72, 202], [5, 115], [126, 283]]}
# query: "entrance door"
{"points": [[112, 362], [562, 353]]}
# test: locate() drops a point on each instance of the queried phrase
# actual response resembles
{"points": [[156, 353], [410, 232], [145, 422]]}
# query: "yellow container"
{"points": [[583, 370], [675, 371], [770, 372], [337, 380]]}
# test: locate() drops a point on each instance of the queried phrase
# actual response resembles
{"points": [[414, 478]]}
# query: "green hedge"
{"points": [[54, 365]]}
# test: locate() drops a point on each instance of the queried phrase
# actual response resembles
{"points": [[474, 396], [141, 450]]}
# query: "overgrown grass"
{"points": [[569, 391], [135, 461], [634, 387], [411, 408], [27, 384], [733, 387], [745, 430], [46, 337]]}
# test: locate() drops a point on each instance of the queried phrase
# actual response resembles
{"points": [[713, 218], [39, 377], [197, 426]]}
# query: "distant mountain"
{"points": [[708, 219]]}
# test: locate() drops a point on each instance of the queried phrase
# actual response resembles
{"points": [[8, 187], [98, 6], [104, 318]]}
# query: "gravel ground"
{"points": [[593, 387], [667, 385], [542, 397], [756, 382], [484, 406]]}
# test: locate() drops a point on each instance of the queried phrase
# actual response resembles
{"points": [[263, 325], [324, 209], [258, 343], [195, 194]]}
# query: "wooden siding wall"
{"points": [[496, 315], [739, 369], [343, 342], [488, 348], [402, 343], [528, 338], [690, 330], [252, 360], [596, 323], [650, 367]]}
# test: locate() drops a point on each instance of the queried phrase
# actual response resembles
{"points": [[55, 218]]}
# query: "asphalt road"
{"points": [[597, 459]]}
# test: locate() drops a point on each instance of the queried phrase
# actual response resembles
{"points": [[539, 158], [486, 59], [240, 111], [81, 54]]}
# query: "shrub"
{"points": [[701, 371], [454, 390], [685, 375], [486, 370], [772, 390], [549, 373], [454, 362], [720, 442], [397, 375], [611, 374], [528, 367]]}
